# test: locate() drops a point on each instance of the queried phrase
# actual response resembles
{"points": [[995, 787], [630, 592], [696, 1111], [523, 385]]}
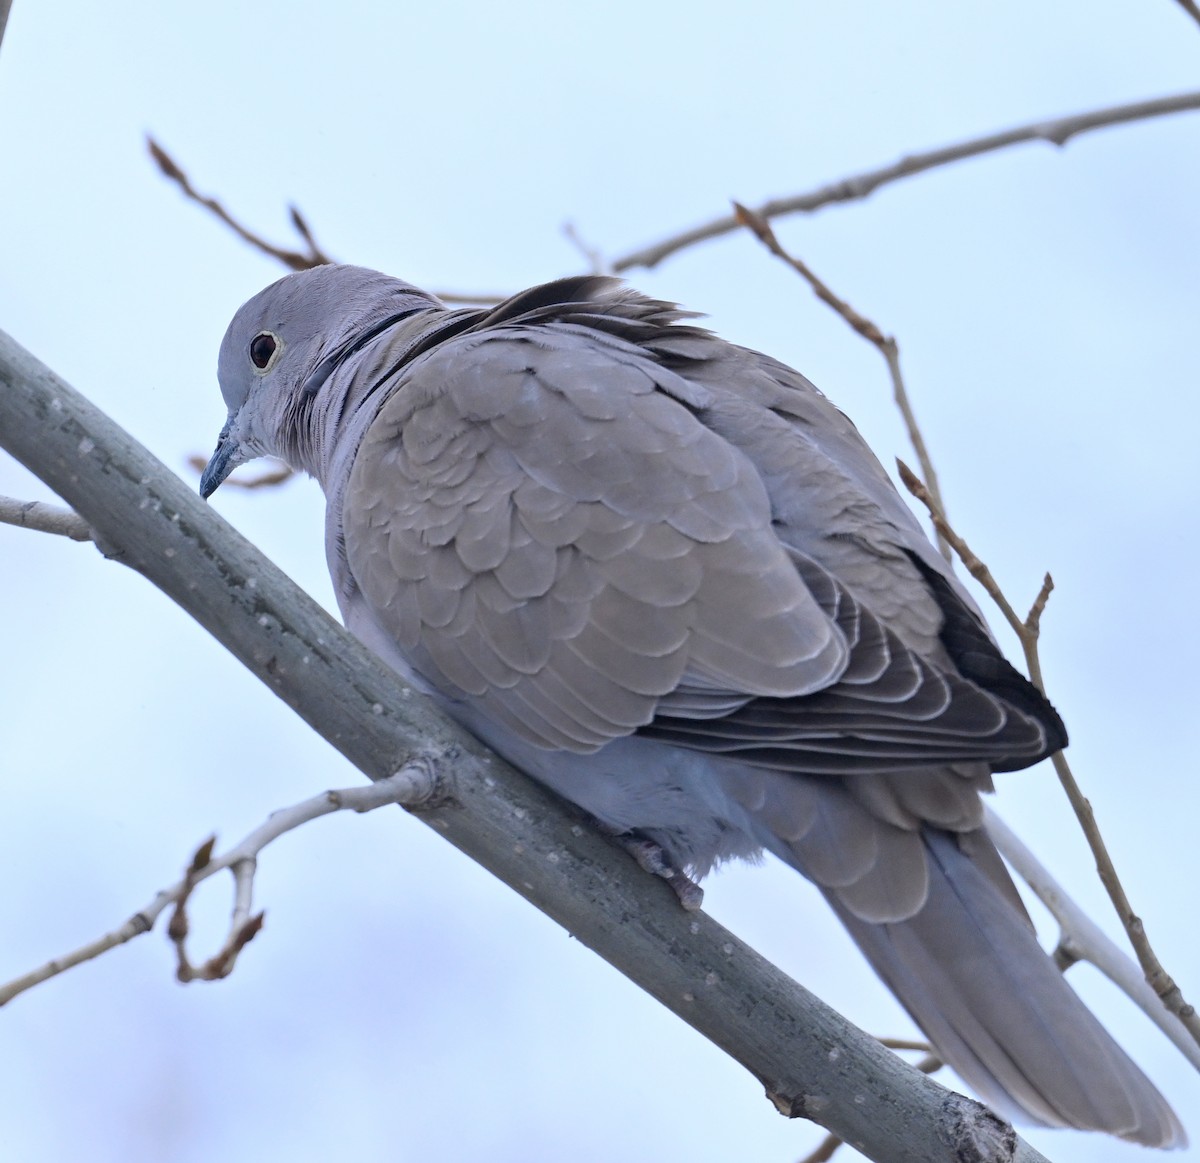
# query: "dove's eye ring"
{"points": [[264, 350]]}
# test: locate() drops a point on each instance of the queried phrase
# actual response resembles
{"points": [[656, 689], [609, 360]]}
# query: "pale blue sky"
{"points": [[400, 1004]]}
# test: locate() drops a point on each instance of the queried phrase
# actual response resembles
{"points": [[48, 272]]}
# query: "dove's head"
{"points": [[281, 349]]}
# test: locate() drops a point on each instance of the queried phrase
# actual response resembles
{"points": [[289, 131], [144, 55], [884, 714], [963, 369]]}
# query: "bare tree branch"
{"points": [[263, 480], [1156, 975], [45, 518], [856, 186], [296, 260], [1027, 630], [293, 259], [412, 785], [515, 829], [886, 345], [1190, 7], [1081, 939], [906, 1044], [1057, 132], [592, 255], [824, 1150]]}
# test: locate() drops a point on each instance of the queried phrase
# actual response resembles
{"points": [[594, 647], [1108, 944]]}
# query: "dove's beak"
{"points": [[222, 462]]}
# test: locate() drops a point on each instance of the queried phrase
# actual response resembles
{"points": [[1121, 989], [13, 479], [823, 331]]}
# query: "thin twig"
{"points": [[243, 928], [263, 480], [886, 345], [302, 228], [412, 785], [294, 260], [45, 518], [1158, 978], [1190, 7], [1057, 132], [1033, 620], [761, 228], [1027, 630], [592, 255], [906, 1044], [1081, 939], [824, 1150], [975, 567]]}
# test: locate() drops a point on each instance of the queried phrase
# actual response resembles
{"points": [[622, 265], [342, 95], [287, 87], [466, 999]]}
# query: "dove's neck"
{"points": [[323, 428]]}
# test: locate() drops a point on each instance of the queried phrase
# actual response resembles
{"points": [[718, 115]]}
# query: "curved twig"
{"points": [[413, 784]]}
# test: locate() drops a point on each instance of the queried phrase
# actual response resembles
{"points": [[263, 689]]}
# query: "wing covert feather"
{"points": [[544, 529]]}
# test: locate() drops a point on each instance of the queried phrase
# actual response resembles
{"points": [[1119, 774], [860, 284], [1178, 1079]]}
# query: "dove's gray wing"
{"points": [[665, 576], [546, 532], [559, 527]]}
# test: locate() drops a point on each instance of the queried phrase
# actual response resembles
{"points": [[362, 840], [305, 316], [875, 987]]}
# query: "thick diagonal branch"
{"points": [[702, 972]]}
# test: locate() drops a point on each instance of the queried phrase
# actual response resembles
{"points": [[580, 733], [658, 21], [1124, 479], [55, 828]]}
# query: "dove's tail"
{"points": [[971, 974]]}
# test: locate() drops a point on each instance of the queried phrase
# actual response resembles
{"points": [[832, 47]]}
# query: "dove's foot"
{"points": [[653, 859]]}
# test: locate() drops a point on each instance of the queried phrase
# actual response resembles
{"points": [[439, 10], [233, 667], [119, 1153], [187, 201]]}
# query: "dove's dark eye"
{"points": [[262, 348]]}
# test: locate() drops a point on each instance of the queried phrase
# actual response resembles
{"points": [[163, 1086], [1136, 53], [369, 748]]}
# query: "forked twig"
{"points": [[243, 927], [414, 784], [292, 259], [313, 256]]}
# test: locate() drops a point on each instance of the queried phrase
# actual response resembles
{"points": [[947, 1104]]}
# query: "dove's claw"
{"points": [[653, 859]]}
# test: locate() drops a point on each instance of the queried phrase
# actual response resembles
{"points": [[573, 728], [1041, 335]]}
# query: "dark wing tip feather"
{"points": [[979, 659]]}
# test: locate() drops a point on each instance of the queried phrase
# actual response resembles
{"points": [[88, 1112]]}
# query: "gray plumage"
{"points": [[665, 576]]}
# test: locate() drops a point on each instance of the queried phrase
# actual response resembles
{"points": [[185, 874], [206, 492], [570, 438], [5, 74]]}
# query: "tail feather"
{"points": [[971, 974]]}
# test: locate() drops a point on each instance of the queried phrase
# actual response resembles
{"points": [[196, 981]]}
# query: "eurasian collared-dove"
{"points": [[665, 576]]}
